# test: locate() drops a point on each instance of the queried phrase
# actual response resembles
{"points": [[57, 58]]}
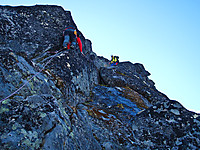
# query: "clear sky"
{"points": [[163, 35]]}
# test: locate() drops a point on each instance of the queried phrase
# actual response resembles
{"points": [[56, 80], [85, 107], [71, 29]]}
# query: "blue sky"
{"points": [[163, 35]]}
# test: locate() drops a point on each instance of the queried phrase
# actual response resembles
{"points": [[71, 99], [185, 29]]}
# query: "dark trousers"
{"points": [[69, 38]]}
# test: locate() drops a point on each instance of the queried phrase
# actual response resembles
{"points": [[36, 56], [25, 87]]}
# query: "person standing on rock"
{"points": [[117, 60], [71, 38], [114, 60]]}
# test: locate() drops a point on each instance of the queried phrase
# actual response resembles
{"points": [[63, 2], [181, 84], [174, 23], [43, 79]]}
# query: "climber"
{"points": [[117, 61], [114, 60], [71, 37]]}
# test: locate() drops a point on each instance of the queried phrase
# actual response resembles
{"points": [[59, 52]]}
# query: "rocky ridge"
{"points": [[76, 101]]}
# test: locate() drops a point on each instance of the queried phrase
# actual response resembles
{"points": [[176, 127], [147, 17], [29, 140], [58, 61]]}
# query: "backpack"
{"points": [[70, 28]]}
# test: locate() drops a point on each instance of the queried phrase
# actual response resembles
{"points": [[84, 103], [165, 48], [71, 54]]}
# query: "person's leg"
{"points": [[66, 41], [72, 39]]}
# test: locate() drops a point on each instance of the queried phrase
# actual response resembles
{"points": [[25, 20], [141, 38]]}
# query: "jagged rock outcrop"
{"points": [[167, 125], [133, 76], [70, 101]]}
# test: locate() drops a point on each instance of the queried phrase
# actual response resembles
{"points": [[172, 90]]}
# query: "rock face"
{"points": [[70, 101]]}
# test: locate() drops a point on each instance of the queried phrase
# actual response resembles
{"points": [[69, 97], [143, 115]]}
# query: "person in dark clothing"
{"points": [[117, 60], [71, 37]]}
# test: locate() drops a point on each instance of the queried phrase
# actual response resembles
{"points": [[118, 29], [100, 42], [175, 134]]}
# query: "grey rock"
{"points": [[69, 101]]}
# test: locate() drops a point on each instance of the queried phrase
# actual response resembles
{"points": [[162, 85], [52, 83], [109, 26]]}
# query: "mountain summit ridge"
{"points": [[79, 102]]}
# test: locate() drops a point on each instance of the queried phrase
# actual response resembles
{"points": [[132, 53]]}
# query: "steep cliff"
{"points": [[66, 100]]}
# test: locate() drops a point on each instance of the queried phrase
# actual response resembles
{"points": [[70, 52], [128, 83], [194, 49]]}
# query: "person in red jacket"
{"points": [[71, 37]]}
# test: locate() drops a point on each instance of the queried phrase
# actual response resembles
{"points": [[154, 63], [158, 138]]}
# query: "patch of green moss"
{"points": [[6, 101], [71, 134], [120, 73], [42, 115], [3, 109], [120, 106]]}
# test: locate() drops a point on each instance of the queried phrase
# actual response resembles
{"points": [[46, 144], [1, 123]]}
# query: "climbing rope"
{"points": [[31, 77], [37, 74]]}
